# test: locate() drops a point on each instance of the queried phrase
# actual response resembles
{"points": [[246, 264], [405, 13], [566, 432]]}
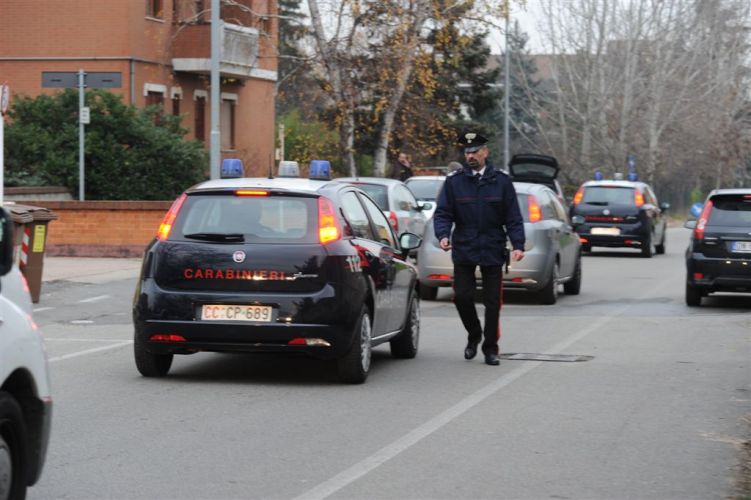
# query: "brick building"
{"points": [[154, 52]]}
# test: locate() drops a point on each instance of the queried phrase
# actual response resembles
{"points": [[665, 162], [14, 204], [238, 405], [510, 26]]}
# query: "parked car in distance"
{"points": [[552, 252], [718, 258], [617, 213], [536, 169], [426, 189], [395, 199], [25, 401], [289, 265]]}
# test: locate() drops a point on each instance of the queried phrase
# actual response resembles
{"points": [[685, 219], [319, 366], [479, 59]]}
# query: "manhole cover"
{"points": [[566, 358]]}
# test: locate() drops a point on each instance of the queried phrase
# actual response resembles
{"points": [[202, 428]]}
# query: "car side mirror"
{"points": [[690, 224], [664, 206], [577, 219], [424, 205], [409, 241], [6, 242]]}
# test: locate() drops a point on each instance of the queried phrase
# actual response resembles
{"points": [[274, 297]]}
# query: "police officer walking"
{"points": [[480, 202]]}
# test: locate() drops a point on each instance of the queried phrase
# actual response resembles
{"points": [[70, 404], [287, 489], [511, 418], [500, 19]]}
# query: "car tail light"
{"points": [[167, 337], [583, 240], [166, 226], [702, 222], [535, 214], [250, 192], [698, 276], [328, 223], [578, 196], [439, 277], [638, 198], [394, 221]]}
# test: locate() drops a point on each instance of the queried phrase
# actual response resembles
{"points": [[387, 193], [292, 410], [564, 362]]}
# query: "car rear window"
{"points": [[731, 210], [607, 195], [425, 190], [378, 193], [268, 219]]}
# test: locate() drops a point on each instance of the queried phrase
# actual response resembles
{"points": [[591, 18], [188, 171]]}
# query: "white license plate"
{"points": [[220, 312], [740, 246], [610, 231]]}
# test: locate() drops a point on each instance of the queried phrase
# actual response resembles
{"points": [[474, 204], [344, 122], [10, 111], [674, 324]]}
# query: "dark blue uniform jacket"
{"points": [[483, 212]]}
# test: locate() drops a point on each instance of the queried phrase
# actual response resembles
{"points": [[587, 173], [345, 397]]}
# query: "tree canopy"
{"points": [[130, 154]]}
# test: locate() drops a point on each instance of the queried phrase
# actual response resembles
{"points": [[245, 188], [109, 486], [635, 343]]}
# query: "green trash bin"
{"points": [[31, 238]]}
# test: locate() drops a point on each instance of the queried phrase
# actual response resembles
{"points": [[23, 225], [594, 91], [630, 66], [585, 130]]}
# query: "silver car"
{"points": [[426, 189], [552, 253], [393, 197]]}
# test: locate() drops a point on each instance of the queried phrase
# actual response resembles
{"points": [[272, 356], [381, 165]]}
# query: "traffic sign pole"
{"points": [[4, 101], [81, 102]]}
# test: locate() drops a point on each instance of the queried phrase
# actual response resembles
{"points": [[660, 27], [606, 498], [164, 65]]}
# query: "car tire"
{"points": [[693, 295], [586, 248], [548, 295], [404, 345], [14, 458], [354, 366], [660, 249], [573, 286], [148, 363], [428, 292], [646, 247]]}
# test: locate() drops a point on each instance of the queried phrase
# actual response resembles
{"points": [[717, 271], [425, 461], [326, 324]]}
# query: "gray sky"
{"points": [[528, 18]]}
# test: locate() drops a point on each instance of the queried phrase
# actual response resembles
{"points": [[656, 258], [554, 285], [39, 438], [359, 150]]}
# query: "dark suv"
{"points": [[718, 258], [619, 214]]}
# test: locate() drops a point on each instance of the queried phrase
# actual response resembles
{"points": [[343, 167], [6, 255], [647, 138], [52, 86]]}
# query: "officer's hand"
{"points": [[517, 255], [445, 244]]}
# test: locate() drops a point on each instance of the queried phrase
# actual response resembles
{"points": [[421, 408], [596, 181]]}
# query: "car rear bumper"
{"points": [[329, 316], [631, 235], [719, 275]]}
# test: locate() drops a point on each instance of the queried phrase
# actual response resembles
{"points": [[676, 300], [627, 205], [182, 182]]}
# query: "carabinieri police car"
{"points": [[276, 265]]}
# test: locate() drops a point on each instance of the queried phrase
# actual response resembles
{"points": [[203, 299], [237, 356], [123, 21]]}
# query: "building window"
{"points": [[154, 98], [176, 106], [227, 121], [200, 118], [155, 8]]}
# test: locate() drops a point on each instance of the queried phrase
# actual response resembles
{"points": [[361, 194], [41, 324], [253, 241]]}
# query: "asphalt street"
{"points": [[657, 412]]}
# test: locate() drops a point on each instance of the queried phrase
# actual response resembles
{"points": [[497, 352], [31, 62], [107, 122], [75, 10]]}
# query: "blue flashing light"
{"points": [[632, 176], [288, 169], [320, 170], [598, 175], [232, 168]]}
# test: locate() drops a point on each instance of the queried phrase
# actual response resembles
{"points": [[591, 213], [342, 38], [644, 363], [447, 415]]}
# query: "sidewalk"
{"points": [[89, 269]]}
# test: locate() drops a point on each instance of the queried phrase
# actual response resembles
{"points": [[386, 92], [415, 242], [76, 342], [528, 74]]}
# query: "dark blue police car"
{"points": [[276, 265]]}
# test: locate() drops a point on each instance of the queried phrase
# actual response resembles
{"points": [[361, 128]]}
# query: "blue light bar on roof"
{"points": [[320, 170], [598, 175], [232, 168]]}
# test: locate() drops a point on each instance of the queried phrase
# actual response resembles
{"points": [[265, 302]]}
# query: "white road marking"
{"points": [[40, 309], [82, 322], [349, 476], [95, 299], [90, 351]]}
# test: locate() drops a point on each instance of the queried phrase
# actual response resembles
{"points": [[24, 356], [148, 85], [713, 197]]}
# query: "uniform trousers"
{"points": [[465, 285]]}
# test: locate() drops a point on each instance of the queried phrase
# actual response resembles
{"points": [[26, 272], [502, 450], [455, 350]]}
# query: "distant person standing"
{"points": [[480, 203], [402, 169]]}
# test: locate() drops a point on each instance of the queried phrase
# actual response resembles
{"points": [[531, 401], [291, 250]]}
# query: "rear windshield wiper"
{"points": [[216, 236]]}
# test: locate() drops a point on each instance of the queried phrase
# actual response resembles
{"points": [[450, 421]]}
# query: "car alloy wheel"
{"points": [[365, 350]]}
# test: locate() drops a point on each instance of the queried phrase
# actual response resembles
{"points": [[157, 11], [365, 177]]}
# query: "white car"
{"points": [[25, 402]]}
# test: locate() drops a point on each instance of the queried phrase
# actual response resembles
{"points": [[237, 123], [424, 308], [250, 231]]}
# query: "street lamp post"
{"points": [[506, 93], [216, 39]]}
